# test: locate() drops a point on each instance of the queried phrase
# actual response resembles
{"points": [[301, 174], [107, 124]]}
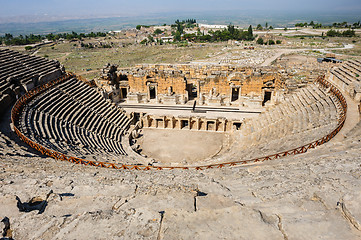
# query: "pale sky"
{"points": [[139, 7]]}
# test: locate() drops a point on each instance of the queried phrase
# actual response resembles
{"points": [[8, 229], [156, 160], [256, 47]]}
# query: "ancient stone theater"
{"points": [[171, 116], [179, 151]]}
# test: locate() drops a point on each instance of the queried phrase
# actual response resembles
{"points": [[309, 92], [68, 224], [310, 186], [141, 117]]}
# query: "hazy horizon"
{"points": [[41, 17], [55, 10]]}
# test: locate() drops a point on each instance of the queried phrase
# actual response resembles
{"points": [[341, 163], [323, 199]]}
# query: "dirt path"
{"points": [[280, 52], [64, 57]]}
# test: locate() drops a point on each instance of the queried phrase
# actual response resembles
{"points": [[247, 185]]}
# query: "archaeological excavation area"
{"points": [[182, 151]]}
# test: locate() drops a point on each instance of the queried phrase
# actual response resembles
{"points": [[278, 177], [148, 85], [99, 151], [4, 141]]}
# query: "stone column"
{"points": [[164, 121], [173, 122], [230, 94], [198, 89], [148, 91]]}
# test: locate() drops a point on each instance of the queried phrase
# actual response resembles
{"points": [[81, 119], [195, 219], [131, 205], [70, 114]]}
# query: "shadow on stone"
{"points": [[61, 195], [36, 203], [7, 232]]}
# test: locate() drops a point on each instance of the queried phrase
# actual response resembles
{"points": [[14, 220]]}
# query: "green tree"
{"points": [[259, 27], [332, 33], [177, 36], [158, 31], [250, 31], [138, 27], [231, 29], [260, 41], [180, 27], [349, 33], [150, 39]]}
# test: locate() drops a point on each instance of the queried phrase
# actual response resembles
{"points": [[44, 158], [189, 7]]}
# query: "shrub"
{"points": [[158, 31], [260, 41]]}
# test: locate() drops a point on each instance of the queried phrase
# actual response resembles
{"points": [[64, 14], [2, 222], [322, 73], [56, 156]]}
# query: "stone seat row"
{"points": [[285, 143], [88, 96], [22, 60], [70, 113], [59, 135], [349, 66], [23, 69], [341, 76], [75, 137], [306, 102], [21, 72], [308, 109], [68, 118], [71, 110], [347, 74]]}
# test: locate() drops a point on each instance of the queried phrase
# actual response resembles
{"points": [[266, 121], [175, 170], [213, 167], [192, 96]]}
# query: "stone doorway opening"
{"points": [[152, 93], [211, 126], [267, 97], [184, 124], [160, 123], [192, 91], [237, 126], [136, 117], [124, 92], [235, 94]]}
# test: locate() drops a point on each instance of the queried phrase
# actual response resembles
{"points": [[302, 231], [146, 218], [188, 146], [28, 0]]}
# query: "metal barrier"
{"points": [[16, 111]]}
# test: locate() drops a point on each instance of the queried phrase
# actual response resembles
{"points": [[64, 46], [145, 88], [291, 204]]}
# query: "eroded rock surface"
{"points": [[291, 198]]}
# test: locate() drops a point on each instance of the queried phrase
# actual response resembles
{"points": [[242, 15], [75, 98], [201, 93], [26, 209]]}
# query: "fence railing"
{"points": [[17, 109]]}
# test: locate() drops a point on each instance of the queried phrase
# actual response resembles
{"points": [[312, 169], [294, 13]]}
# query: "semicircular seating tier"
{"points": [[21, 72], [308, 114], [348, 77], [74, 119]]}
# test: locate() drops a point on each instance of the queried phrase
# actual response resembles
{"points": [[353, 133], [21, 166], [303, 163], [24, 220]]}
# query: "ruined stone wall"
{"points": [[139, 83], [218, 83], [208, 76], [252, 86], [214, 83], [177, 83]]}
